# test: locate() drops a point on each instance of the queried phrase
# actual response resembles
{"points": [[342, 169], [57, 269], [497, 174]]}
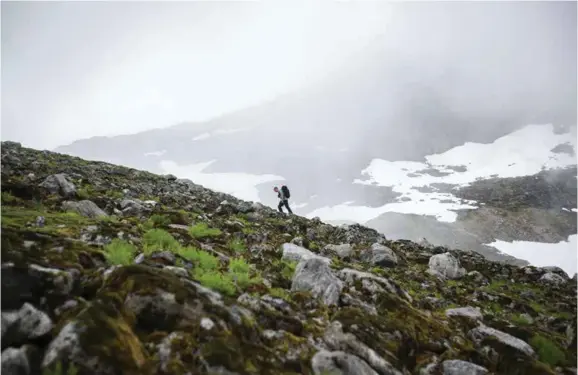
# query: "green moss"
{"points": [[203, 260], [548, 351], [8, 198], [520, 320], [288, 268], [202, 230], [159, 221], [58, 370], [217, 281], [159, 239], [119, 252], [237, 246]]}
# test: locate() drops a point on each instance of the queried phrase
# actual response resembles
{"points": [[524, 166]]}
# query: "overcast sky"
{"points": [[73, 70], [77, 69]]}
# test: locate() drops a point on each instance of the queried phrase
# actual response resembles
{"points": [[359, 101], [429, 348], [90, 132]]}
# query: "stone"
{"points": [[372, 283], [343, 250], [339, 363], [446, 265], [85, 208], [459, 367], [382, 256], [472, 313], [59, 184], [23, 325], [479, 333], [296, 253], [337, 340], [552, 279], [24, 360], [315, 276]]}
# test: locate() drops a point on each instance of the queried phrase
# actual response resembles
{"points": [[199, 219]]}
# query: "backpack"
{"points": [[285, 191]]}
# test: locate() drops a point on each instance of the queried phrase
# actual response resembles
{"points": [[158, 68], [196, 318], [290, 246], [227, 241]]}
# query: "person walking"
{"points": [[283, 194]]}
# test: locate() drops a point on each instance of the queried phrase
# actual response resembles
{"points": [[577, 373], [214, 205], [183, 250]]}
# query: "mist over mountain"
{"points": [[443, 81]]}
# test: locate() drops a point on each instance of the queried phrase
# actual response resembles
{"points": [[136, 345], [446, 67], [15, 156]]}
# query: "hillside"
{"points": [[112, 270]]}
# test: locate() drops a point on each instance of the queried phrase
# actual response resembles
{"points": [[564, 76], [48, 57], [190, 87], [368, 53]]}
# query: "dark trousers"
{"points": [[284, 203]]}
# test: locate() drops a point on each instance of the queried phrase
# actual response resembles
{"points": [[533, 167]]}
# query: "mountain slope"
{"points": [[135, 273]]}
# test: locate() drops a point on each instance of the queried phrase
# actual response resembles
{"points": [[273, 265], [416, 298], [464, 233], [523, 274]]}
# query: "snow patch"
{"points": [[524, 152], [239, 185], [539, 254]]}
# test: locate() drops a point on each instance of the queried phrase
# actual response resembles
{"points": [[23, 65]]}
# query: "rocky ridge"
{"points": [[112, 270]]}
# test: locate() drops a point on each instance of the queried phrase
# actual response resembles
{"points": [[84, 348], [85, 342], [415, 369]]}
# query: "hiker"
{"points": [[283, 196]]}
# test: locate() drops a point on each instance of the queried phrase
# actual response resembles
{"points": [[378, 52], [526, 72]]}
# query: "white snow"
{"points": [[155, 153], [539, 254], [239, 185], [574, 210], [524, 152]]}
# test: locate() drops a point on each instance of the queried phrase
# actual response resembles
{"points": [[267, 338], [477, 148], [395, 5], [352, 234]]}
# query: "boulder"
{"points": [[85, 208], [315, 276], [59, 184], [446, 266]]}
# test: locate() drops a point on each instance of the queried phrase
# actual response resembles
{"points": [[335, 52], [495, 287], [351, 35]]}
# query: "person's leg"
{"points": [[287, 205], [280, 206]]}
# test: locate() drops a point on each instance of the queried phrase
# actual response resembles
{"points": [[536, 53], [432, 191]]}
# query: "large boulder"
{"points": [[297, 253], [478, 334], [315, 276], [339, 363], [85, 208], [381, 255], [59, 184], [446, 266]]}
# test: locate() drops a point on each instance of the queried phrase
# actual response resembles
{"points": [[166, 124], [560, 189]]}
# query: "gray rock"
{"points": [[315, 276], [552, 279], [458, 367], [339, 363], [26, 324], [477, 277], [85, 208], [383, 256], [179, 271], [473, 313], [337, 340], [159, 309], [58, 184], [297, 241], [130, 207], [31, 284], [556, 270], [296, 253], [372, 283], [20, 361], [343, 250], [446, 265], [479, 333], [164, 350]]}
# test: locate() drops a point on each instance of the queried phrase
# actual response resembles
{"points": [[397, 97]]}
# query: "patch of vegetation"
{"points": [[159, 239], [217, 281], [202, 230], [119, 252], [288, 269], [57, 370], [8, 198], [520, 320], [548, 352], [158, 221], [237, 246], [203, 259]]}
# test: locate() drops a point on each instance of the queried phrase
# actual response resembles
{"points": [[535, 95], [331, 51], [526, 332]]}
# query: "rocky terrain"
{"points": [[112, 270]]}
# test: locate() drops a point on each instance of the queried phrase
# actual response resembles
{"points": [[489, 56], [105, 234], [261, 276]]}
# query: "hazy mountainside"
{"points": [[123, 271]]}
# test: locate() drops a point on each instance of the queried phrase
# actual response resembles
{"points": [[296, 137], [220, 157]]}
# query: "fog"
{"points": [[73, 70]]}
